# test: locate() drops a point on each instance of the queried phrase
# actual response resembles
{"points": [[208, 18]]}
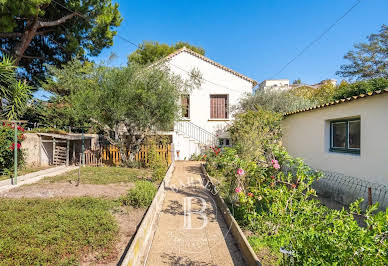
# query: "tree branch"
{"points": [[58, 21], [10, 34]]}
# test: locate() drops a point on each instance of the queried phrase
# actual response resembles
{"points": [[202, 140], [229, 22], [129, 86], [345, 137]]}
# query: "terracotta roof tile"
{"points": [[378, 92]]}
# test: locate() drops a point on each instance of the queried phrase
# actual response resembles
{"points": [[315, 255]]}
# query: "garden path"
{"points": [[196, 237]]}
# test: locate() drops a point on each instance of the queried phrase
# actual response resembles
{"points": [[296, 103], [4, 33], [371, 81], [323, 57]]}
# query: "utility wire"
{"points": [[317, 39]]}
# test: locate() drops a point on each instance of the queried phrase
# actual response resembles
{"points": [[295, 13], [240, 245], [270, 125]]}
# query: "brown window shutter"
{"points": [[219, 106]]}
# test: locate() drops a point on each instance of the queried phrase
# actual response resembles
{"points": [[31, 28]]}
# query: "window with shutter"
{"points": [[219, 108]]}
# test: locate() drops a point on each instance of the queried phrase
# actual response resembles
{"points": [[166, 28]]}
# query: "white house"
{"points": [[275, 84], [348, 136], [206, 110]]}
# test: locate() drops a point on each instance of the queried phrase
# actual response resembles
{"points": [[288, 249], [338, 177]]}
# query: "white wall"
{"points": [[221, 82], [200, 98], [307, 135]]}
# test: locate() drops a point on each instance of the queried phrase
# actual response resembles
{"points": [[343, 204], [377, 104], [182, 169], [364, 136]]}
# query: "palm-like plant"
{"points": [[14, 94]]}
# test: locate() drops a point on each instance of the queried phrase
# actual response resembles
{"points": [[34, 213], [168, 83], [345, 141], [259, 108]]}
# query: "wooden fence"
{"points": [[110, 155]]}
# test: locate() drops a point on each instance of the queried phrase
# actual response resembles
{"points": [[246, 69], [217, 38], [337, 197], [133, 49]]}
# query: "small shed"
{"points": [[57, 149]]}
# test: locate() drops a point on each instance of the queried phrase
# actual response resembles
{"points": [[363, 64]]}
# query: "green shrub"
{"points": [[254, 132], [275, 201], [141, 195], [155, 162], [276, 101], [270, 194], [7, 148]]}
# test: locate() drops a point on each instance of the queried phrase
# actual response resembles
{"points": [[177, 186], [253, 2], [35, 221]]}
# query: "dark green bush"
{"points": [[141, 195]]}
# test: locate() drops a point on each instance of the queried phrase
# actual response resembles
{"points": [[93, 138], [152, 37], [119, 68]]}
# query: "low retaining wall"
{"points": [[143, 236], [246, 249]]}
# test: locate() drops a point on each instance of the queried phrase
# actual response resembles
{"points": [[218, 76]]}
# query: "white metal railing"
{"points": [[195, 132]]}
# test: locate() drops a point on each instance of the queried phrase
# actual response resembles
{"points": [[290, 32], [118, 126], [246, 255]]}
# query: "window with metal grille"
{"points": [[219, 108], [185, 103]]}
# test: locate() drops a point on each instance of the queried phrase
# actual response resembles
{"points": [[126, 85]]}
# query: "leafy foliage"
{"points": [[368, 60], [254, 132], [141, 195], [155, 162], [323, 94], [149, 52], [276, 101], [276, 205], [39, 32], [131, 101], [270, 195], [14, 93], [360, 87], [56, 231], [7, 147]]}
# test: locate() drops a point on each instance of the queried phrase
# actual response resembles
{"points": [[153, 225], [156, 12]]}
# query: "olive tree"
{"points": [[133, 102]]}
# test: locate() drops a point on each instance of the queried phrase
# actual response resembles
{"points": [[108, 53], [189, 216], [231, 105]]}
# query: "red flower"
{"points": [[250, 194], [273, 177], [12, 147]]}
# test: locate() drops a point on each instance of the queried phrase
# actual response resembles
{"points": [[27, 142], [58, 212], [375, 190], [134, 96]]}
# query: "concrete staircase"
{"points": [[191, 139]]}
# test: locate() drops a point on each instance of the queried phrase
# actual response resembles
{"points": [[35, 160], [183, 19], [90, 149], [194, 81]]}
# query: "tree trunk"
{"points": [[26, 39]]}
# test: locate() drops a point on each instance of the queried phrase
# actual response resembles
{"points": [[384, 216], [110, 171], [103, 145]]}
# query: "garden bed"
{"points": [[56, 222]]}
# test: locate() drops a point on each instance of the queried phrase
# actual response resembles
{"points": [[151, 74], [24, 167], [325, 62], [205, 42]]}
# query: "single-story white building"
{"points": [[348, 137]]}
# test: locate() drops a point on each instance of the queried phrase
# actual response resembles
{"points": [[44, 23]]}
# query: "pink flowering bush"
{"points": [[274, 200]]}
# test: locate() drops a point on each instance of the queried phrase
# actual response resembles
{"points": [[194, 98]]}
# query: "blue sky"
{"points": [[255, 38]]}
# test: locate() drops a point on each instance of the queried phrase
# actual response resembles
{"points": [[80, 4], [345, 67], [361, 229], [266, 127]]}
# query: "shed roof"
{"points": [[353, 98], [70, 136]]}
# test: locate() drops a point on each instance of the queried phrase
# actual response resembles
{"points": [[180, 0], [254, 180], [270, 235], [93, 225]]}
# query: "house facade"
{"points": [[348, 136], [207, 110]]}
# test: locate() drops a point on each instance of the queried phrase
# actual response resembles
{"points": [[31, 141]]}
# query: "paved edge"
{"points": [[35, 177], [247, 251], [144, 234]]}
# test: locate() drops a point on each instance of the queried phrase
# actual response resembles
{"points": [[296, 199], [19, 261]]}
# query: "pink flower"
{"points": [[250, 194], [237, 189], [240, 172], [276, 166], [274, 162]]}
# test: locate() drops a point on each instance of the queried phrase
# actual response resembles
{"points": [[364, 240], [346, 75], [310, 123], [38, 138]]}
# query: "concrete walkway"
{"points": [[6, 185], [196, 237]]}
